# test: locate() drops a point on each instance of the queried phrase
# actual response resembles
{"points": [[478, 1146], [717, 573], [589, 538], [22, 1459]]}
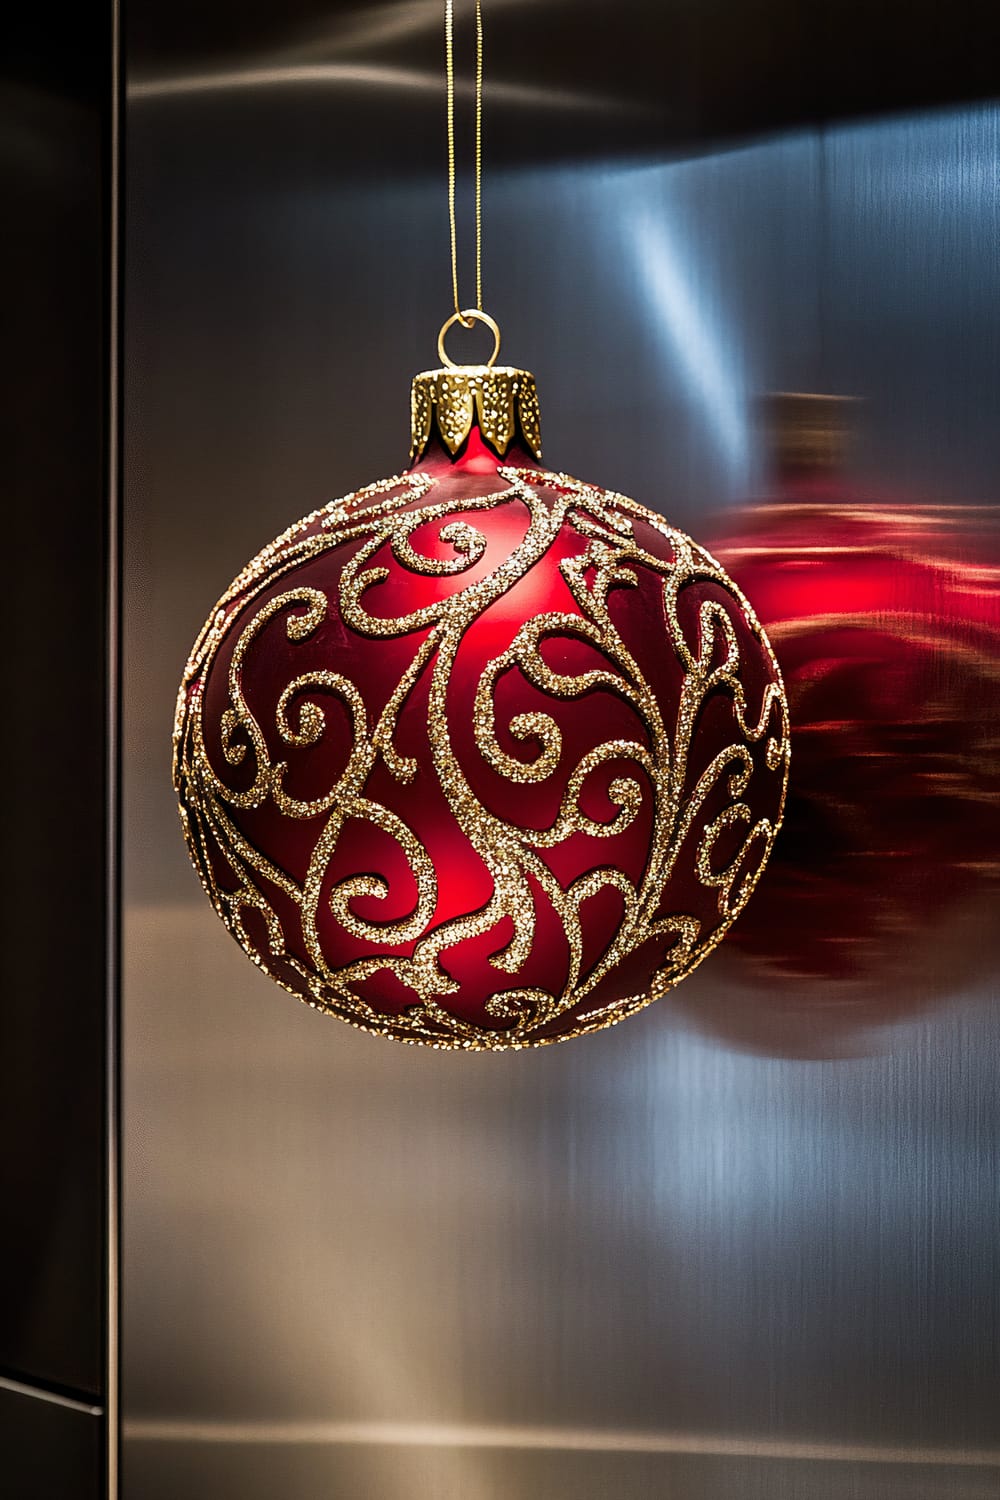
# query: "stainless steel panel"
{"points": [[649, 1262], [160, 1471]]}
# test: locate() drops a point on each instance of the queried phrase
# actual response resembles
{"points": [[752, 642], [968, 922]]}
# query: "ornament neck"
{"points": [[475, 456], [471, 416], [806, 438]]}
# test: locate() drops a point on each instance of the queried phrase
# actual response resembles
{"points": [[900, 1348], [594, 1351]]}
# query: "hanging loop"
{"points": [[467, 316]]}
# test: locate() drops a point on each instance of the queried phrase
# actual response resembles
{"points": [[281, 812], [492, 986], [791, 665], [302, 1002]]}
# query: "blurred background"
{"points": [[746, 1244]]}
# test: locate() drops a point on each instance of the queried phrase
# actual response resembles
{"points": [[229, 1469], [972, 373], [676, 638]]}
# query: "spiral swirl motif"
{"points": [[481, 762]]}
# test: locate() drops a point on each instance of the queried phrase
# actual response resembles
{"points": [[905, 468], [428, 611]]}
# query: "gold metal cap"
{"points": [[498, 398]]}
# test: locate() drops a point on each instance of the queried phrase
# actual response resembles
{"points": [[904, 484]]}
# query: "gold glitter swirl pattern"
{"points": [[704, 820]]}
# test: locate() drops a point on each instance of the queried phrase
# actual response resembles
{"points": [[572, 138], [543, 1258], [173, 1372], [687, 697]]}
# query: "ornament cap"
{"points": [[806, 431], [501, 400]]}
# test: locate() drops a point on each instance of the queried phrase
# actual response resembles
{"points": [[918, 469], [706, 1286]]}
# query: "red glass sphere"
{"points": [[480, 756]]}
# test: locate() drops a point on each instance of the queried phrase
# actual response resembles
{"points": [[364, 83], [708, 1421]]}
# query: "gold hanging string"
{"points": [[479, 155], [449, 53]]}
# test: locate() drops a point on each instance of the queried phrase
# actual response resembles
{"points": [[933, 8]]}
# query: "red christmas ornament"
{"points": [[888, 637], [480, 756], [887, 618]]}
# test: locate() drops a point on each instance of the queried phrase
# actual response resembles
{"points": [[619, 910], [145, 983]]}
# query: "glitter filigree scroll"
{"points": [[481, 770]]}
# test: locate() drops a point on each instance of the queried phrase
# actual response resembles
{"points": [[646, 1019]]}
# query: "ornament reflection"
{"points": [[880, 897]]}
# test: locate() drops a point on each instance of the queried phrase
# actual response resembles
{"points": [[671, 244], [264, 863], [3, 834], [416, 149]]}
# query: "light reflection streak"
{"points": [[379, 25], [668, 283], [548, 1439], [368, 75]]}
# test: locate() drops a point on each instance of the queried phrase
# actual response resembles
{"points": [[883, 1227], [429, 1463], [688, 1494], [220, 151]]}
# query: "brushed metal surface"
{"points": [[649, 75], [357, 1268], [166, 1471]]}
